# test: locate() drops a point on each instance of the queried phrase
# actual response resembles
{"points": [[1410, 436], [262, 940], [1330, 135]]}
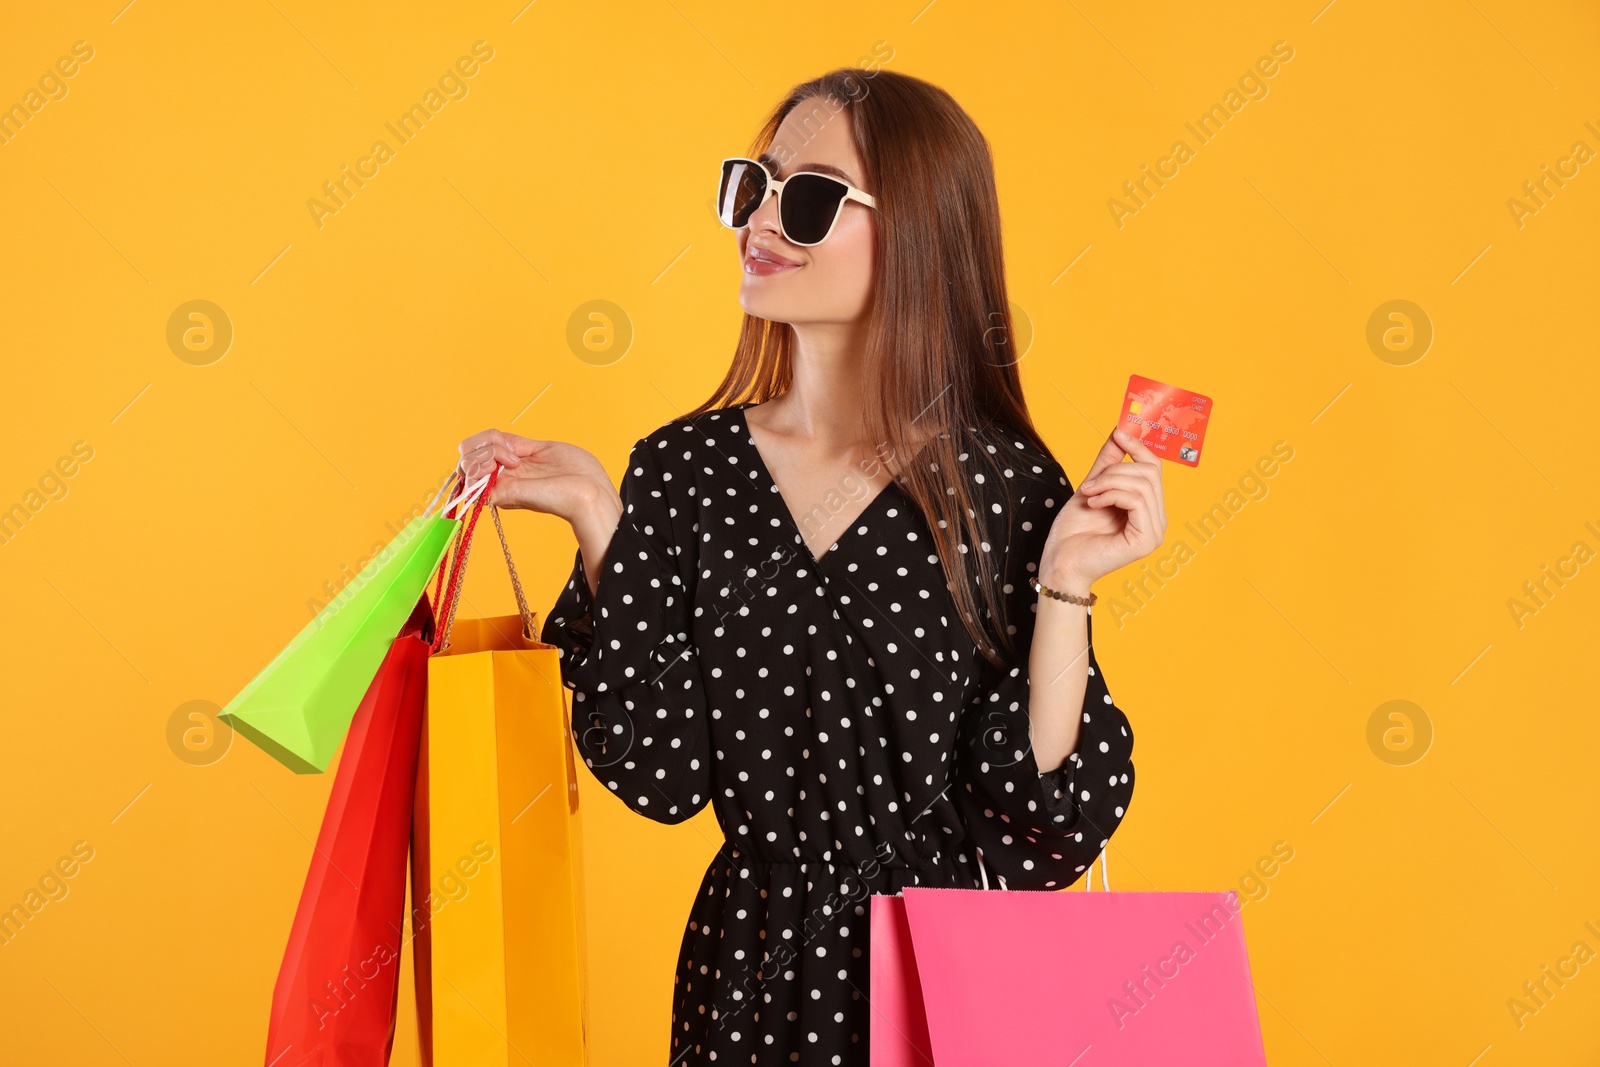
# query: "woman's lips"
{"points": [[761, 262]]}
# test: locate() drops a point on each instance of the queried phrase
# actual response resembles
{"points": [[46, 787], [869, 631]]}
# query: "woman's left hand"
{"points": [[1118, 516]]}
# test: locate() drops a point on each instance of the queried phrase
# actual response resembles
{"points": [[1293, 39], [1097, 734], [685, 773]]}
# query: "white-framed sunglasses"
{"points": [[809, 203]]}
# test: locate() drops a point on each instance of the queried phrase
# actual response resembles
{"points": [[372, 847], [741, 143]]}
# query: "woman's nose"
{"points": [[765, 218]]}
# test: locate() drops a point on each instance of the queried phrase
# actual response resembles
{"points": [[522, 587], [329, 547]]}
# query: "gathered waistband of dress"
{"points": [[803, 862]]}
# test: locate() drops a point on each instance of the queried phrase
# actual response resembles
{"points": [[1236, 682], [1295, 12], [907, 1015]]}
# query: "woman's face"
{"points": [[829, 283]]}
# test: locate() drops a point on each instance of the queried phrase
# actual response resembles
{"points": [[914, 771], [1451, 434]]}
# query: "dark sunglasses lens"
{"points": [[740, 191], [808, 206]]}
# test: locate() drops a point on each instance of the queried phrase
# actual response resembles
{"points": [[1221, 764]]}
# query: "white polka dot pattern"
{"points": [[834, 713]]}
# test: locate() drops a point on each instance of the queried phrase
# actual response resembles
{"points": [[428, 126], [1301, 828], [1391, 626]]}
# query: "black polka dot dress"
{"points": [[833, 712]]}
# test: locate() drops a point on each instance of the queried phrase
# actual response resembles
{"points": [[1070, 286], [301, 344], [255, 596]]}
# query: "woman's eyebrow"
{"points": [[821, 168]]}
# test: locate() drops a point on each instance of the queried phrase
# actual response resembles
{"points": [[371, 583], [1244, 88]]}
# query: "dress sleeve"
{"points": [[1037, 829], [639, 707]]}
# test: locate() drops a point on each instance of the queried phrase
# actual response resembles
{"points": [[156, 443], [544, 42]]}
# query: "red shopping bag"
{"points": [[335, 999], [973, 976]]}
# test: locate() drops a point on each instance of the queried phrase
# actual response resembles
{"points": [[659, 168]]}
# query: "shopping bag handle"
{"points": [[448, 481], [1088, 878], [469, 493], [516, 581], [450, 599]]}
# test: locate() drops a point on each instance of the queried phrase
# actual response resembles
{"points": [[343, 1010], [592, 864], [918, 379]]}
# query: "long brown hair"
{"points": [[938, 351]]}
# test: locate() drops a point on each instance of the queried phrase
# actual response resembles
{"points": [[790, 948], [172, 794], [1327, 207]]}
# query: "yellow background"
{"points": [[1377, 567]]}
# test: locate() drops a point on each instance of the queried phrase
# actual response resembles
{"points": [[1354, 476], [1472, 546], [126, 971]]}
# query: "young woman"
{"points": [[837, 645]]}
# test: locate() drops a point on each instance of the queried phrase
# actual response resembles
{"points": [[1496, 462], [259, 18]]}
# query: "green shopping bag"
{"points": [[300, 705]]}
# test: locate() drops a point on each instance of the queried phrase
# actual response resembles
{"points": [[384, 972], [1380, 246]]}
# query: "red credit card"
{"points": [[1169, 421]]}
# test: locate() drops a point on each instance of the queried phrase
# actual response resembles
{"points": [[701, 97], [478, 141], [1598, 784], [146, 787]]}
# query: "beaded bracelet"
{"points": [[1068, 597]]}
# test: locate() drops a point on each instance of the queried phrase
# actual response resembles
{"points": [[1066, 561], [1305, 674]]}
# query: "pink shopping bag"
{"points": [[970, 977]]}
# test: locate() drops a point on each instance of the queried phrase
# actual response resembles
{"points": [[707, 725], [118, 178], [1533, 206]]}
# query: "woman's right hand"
{"points": [[549, 476]]}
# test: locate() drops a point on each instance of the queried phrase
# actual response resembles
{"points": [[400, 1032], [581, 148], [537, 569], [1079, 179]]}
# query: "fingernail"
{"points": [[1088, 484]]}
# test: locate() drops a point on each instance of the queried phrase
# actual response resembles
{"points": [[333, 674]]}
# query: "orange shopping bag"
{"points": [[497, 857]]}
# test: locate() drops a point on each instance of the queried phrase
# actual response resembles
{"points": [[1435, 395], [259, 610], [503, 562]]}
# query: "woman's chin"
{"points": [[756, 300]]}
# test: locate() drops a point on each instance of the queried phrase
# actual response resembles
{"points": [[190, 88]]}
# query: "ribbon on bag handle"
{"points": [[450, 598]]}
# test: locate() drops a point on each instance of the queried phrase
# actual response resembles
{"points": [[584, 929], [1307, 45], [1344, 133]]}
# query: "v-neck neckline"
{"points": [[783, 505]]}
